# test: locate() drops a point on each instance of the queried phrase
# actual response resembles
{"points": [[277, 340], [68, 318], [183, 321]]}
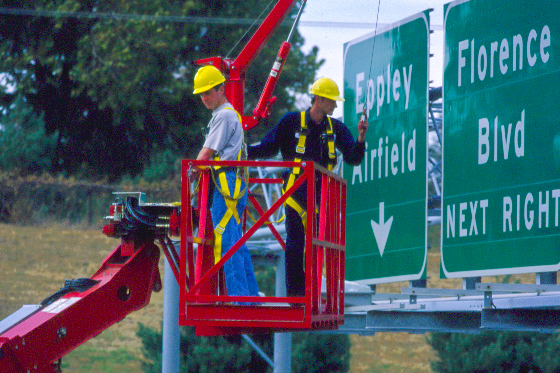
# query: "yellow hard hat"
{"points": [[326, 87], [207, 77]]}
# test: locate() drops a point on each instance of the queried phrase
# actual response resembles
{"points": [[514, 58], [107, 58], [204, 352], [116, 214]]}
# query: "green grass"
{"points": [[86, 359]]}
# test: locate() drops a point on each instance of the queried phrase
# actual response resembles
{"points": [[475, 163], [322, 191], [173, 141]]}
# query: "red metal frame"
{"points": [[126, 282], [203, 302]]}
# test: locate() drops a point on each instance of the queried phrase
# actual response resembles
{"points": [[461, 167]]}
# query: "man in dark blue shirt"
{"points": [[308, 136]]}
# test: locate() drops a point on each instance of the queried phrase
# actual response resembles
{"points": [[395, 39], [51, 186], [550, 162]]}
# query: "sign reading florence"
{"points": [[501, 154], [386, 74]]}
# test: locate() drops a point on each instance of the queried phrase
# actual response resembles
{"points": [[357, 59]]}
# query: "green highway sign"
{"points": [[501, 146], [387, 74]]}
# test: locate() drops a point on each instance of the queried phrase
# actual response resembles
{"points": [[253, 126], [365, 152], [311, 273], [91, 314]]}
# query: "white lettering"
{"points": [[407, 81], [520, 136], [473, 220], [517, 44], [463, 45], [466, 210], [357, 172], [482, 63], [450, 221], [462, 208], [536, 48], [529, 214], [370, 95], [504, 55], [556, 196], [380, 93], [545, 43], [506, 213], [531, 58], [412, 152], [506, 139], [543, 208], [394, 159], [483, 134], [359, 80], [397, 85]]}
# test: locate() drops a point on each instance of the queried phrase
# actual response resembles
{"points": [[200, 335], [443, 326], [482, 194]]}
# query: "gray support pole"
{"points": [[171, 335], [282, 341]]}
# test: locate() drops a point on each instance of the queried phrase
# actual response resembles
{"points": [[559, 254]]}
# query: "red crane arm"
{"points": [[236, 69], [262, 35], [123, 284]]}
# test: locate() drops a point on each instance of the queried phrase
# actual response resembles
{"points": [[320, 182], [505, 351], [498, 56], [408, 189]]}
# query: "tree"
{"points": [[496, 352], [118, 90], [25, 146]]}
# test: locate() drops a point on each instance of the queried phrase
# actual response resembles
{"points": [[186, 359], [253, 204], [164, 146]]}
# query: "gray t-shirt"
{"points": [[225, 136]]}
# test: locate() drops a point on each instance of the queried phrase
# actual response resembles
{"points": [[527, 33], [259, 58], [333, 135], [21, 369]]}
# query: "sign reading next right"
{"points": [[501, 147]]}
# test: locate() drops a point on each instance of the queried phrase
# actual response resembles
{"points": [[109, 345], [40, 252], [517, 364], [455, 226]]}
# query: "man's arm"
{"points": [[205, 154], [352, 151], [267, 148]]}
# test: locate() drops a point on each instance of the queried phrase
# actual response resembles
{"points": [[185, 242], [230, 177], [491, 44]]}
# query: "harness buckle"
{"points": [[219, 229]]}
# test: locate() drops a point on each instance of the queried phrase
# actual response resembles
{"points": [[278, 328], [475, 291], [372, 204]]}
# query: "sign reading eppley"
{"points": [[386, 73]]}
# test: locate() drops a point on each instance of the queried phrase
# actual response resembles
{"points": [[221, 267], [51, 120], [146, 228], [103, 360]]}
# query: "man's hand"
{"points": [[362, 127], [194, 173]]}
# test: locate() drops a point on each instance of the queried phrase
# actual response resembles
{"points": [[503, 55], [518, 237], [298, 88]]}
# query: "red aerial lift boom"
{"points": [[35, 338]]}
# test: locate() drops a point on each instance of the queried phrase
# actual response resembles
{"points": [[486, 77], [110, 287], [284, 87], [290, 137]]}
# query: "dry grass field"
{"points": [[35, 261]]}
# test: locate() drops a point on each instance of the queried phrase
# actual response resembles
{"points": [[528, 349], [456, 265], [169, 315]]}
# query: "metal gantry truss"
{"points": [[418, 309]]}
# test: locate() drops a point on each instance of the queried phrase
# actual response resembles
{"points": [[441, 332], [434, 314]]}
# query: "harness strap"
{"points": [[231, 210], [229, 199], [300, 150], [330, 140]]}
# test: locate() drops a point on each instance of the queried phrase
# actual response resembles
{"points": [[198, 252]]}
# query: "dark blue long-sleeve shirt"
{"points": [[284, 137]]}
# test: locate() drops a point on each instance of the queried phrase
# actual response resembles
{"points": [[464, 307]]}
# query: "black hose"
{"points": [[77, 285]]}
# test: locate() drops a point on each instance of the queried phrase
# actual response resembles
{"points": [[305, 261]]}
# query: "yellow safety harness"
{"points": [[300, 150], [229, 198]]}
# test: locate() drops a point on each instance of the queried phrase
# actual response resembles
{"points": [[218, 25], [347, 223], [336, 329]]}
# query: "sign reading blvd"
{"points": [[386, 73], [501, 149]]}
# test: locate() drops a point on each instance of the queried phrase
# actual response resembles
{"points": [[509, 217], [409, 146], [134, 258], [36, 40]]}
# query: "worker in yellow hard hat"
{"points": [[310, 135], [224, 141]]}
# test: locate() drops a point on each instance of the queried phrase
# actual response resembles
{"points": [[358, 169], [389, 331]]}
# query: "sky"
{"points": [[330, 38]]}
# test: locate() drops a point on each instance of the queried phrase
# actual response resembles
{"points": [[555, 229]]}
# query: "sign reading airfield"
{"points": [[501, 153], [387, 73]]}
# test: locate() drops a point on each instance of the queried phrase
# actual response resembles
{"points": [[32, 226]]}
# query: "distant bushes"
{"points": [[32, 200]]}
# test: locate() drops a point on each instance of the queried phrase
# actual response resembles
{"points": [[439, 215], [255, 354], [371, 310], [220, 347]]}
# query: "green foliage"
{"points": [[314, 353], [311, 352], [116, 89], [496, 352], [151, 348], [162, 166], [25, 146], [206, 354]]}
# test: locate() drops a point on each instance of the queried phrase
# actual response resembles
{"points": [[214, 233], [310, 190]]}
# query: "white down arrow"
{"points": [[381, 229]]}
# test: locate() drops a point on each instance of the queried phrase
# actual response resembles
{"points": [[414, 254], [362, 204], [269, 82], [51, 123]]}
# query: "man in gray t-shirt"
{"points": [[225, 142], [225, 135]]}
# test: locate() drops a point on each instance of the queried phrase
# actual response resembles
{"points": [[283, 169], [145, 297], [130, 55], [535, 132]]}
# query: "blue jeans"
{"points": [[239, 272]]}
